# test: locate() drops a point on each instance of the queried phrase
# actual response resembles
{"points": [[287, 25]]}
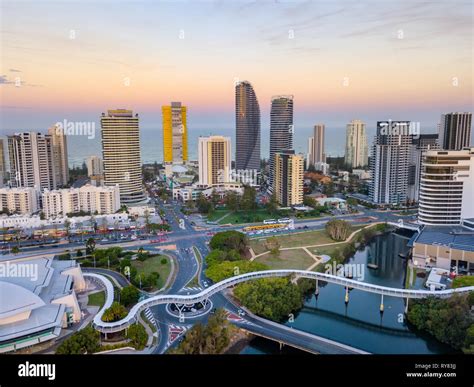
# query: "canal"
{"points": [[360, 323]]}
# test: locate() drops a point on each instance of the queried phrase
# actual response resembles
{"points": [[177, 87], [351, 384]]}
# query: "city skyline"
{"points": [[238, 177], [356, 53]]}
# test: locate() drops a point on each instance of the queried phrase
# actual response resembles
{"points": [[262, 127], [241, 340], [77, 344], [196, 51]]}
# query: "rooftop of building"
{"points": [[455, 237], [31, 285]]}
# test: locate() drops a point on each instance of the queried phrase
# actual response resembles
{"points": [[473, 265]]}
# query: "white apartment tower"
{"points": [[446, 187], [316, 146], [31, 161], [59, 156], [389, 164], [214, 154], [357, 153], [94, 166], [121, 153]]}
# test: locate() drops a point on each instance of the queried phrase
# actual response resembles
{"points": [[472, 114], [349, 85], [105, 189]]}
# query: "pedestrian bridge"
{"points": [[191, 299], [408, 226]]}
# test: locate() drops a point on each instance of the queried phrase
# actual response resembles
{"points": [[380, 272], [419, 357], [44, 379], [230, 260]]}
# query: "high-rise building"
{"points": [[309, 155], [288, 179], [121, 154], [175, 134], [214, 160], [389, 163], [447, 187], [94, 166], [316, 143], [2, 163], [19, 200], [357, 152], [281, 128], [420, 144], [60, 160], [455, 131], [247, 128], [31, 160]]}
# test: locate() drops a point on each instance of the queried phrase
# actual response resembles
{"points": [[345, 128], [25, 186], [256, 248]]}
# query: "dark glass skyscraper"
{"points": [[281, 127], [247, 128], [455, 131]]}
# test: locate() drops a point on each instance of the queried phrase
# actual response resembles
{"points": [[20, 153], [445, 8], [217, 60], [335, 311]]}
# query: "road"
{"points": [[187, 267]]}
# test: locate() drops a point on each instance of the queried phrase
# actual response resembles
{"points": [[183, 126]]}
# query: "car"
{"points": [[104, 240]]}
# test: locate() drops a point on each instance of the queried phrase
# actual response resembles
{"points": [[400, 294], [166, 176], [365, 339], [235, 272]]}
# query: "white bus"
{"points": [[270, 221], [284, 220]]}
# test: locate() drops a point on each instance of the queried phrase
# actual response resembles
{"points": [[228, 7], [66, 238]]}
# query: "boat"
{"points": [[372, 266]]}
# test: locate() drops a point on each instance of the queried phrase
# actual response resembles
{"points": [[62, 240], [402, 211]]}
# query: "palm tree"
{"points": [[90, 246], [67, 226]]}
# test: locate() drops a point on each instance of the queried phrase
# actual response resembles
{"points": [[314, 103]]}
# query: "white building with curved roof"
{"points": [[37, 299]]}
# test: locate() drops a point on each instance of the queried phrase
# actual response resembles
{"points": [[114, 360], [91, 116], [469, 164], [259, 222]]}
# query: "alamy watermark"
{"points": [[244, 176], [396, 128], [19, 270], [348, 270], [76, 128]]}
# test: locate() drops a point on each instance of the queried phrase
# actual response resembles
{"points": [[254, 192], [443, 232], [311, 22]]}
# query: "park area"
{"points": [[154, 264], [287, 259]]}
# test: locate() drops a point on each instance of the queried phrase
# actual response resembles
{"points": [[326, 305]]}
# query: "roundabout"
{"points": [[183, 312]]}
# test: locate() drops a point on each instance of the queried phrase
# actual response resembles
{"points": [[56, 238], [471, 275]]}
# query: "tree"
{"points": [[15, 250], [90, 246], [215, 198], [137, 335], [231, 200], [116, 312], [328, 189], [310, 202], [142, 255], [248, 202], [272, 204], [446, 319], [338, 229], [129, 295], [81, 342], [204, 206], [67, 226], [272, 298], [226, 269], [146, 216], [230, 240], [212, 338], [273, 245], [221, 255], [79, 253]]}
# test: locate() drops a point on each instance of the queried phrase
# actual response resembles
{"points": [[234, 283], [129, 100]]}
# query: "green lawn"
{"points": [[464, 280], [154, 264], [239, 217], [293, 240], [195, 280], [96, 299], [288, 259]]}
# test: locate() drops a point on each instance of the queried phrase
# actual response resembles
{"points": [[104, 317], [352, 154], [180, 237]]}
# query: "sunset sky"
{"points": [[398, 57]]}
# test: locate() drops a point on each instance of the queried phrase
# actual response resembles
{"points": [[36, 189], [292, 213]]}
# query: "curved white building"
{"points": [[37, 299], [446, 187]]}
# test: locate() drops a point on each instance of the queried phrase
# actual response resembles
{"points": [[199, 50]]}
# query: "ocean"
{"points": [[151, 143]]}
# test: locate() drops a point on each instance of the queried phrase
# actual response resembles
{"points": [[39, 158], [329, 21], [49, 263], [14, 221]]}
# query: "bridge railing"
{"points": [[131, 318]]}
